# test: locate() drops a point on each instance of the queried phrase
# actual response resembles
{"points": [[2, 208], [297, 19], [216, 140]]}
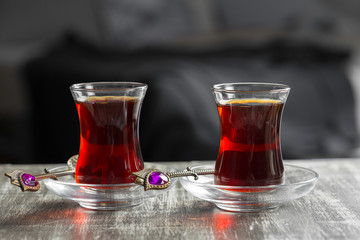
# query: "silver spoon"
{"points": [[29, 182], [149, 178]]}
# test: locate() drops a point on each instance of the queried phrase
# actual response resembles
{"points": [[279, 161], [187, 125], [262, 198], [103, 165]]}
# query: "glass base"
{"points": [[248, 208], [117, 205]]}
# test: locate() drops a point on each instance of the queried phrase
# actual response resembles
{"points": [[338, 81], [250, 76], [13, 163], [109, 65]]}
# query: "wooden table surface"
{"points": [[330, 211]]}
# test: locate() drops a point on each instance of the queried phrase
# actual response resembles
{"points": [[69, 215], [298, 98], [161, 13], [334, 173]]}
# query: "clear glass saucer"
{"points": [[105, 197], [298, 182]]}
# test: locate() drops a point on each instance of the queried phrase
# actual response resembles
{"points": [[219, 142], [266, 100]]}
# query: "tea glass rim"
{"points": [[267, 87], [107, 86]]}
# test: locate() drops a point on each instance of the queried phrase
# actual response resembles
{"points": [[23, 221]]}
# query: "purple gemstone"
{"points": [[158, 178], [29, 180]]}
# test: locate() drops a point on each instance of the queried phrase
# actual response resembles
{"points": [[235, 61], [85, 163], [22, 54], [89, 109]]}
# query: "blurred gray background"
{"points": [[180, 48]]}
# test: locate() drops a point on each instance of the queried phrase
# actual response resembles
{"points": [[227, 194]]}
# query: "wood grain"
{"points": [[331, 211]]}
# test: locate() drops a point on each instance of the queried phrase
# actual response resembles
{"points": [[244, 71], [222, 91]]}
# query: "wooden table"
{"points": [[330, 211]]}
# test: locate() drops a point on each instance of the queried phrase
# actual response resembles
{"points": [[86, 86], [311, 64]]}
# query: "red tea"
{"points": [[109, 147], [250, 153]]}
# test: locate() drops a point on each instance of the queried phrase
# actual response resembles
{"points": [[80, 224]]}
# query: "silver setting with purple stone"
{"points": [[156, 179]]}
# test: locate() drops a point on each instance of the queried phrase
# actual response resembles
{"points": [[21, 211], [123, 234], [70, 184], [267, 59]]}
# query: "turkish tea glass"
{"points": [[250, 119], [109, 139]]}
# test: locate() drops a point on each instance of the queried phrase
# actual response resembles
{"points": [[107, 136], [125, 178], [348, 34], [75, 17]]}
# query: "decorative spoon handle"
{"points": [[28, 182], [157, 179]]}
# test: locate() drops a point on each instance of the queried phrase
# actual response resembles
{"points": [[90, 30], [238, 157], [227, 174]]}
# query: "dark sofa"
{"points": [[179, 120]]}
